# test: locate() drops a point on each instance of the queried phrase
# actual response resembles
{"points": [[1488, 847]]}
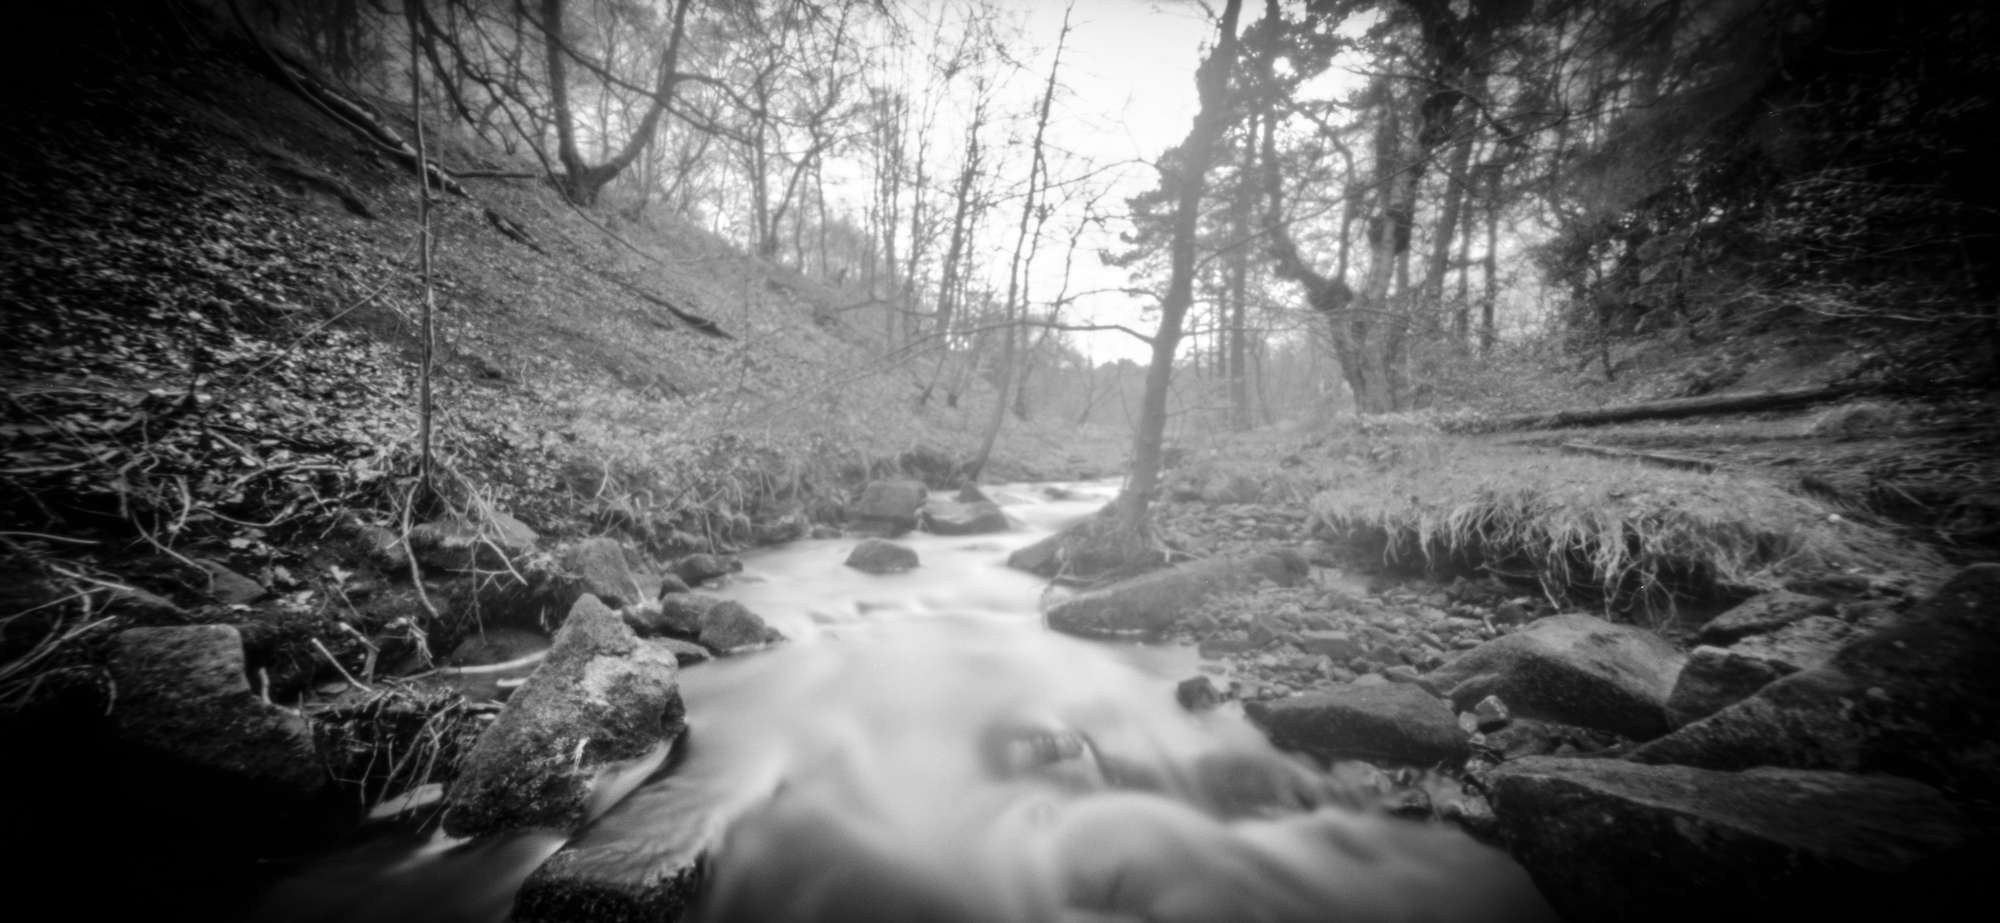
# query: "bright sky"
{"points": [[1129, 69]]}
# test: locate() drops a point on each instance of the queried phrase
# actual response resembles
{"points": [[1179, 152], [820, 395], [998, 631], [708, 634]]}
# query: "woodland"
{"points": [[343, 337], [1372, 190]]}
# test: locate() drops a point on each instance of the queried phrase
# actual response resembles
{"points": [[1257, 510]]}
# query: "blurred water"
{"points": [[924, 749]]}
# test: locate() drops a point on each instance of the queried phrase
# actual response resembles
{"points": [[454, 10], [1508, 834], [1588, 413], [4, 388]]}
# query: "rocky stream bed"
{"points": [[878, 723]]}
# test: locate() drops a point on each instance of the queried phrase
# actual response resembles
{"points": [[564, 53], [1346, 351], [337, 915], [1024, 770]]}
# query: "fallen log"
{"points": [[1675, 409], [1662, 459]]}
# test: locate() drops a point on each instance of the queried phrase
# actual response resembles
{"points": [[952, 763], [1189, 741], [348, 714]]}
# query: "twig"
{"points": [[410, 552], [336, 665], [374, 652], [53, 538]]}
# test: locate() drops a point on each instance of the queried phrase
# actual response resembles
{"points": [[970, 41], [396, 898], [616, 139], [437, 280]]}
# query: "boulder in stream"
{"points": [[640, 863], [722, 626], [881, 556], [599, 567], [1612, 840], [888, 506], [729, 628], [1392, 722], [1149, 605], [696, 569], [974, 515], [603, 696], [1574, 669]]}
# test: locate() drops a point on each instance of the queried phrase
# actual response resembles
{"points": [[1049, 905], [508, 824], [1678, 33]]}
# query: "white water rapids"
{"points": [[924, 749]]}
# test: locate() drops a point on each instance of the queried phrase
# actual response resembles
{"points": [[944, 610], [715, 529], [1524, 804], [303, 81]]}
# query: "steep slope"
{"points": [[211, 301]]}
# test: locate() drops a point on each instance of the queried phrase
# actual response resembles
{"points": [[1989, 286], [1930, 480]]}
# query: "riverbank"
{"points": [[1596, 663]]}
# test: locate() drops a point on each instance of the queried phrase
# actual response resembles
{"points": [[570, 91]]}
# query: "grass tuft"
{"points": [[1631, 537]]}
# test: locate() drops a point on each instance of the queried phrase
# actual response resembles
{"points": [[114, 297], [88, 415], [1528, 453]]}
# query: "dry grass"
{"points": [[1628, 536]]}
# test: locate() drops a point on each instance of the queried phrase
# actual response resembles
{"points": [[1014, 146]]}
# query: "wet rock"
{"points": [[1801, 645], [888, 506], [1393, 722], [696, 569], [1575, 669], [789, 527], [1148, 605], [1490, 714], [183, 701], [1245, 783], [727, 628], [1339, 645], [686, 653], [1716, 678], [489, 538], [1127, 856], [602, 696], [881, 556], [600, 568], [229, 587], [640, 863], [963, 517], [671, 583], [1198, 693], [651, 620], [1919, 698], [1521, 737], [1224, 646], [1059, 755], [1043, 557], [1474, 815], [1409, 803], [1403, 673], [1760, 614], [1612, 840]]}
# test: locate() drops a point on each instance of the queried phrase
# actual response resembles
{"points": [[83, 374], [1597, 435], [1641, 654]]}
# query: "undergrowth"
{"points": [[1626, 536]]}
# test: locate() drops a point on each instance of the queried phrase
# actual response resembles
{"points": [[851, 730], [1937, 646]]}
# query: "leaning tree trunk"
{"points": [[1212, 85]]}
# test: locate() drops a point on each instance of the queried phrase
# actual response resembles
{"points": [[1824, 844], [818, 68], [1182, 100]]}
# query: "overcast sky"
{"points": [[1129, 68]]}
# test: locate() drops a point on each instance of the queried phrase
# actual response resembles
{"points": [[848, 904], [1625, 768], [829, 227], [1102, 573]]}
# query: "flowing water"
{"points": [[924, 749]]}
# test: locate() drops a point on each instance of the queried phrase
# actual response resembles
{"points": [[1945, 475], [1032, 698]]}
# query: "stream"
{"points": [[925, 749]]}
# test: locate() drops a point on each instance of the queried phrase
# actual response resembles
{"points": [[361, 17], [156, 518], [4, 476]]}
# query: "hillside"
{"points": [[211, 310]]}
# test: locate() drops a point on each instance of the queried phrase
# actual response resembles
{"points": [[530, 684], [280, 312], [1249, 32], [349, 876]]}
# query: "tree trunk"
{"points": [[1212, 85], [1491, 264], [582, 181], [1432, 297]]}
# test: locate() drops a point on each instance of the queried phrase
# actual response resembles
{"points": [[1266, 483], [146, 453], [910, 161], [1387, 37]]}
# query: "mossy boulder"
{"points": [[602, 696]]}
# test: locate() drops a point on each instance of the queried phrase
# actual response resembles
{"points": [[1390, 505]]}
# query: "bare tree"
{"points": [[1024, 254], [582, 180]]}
